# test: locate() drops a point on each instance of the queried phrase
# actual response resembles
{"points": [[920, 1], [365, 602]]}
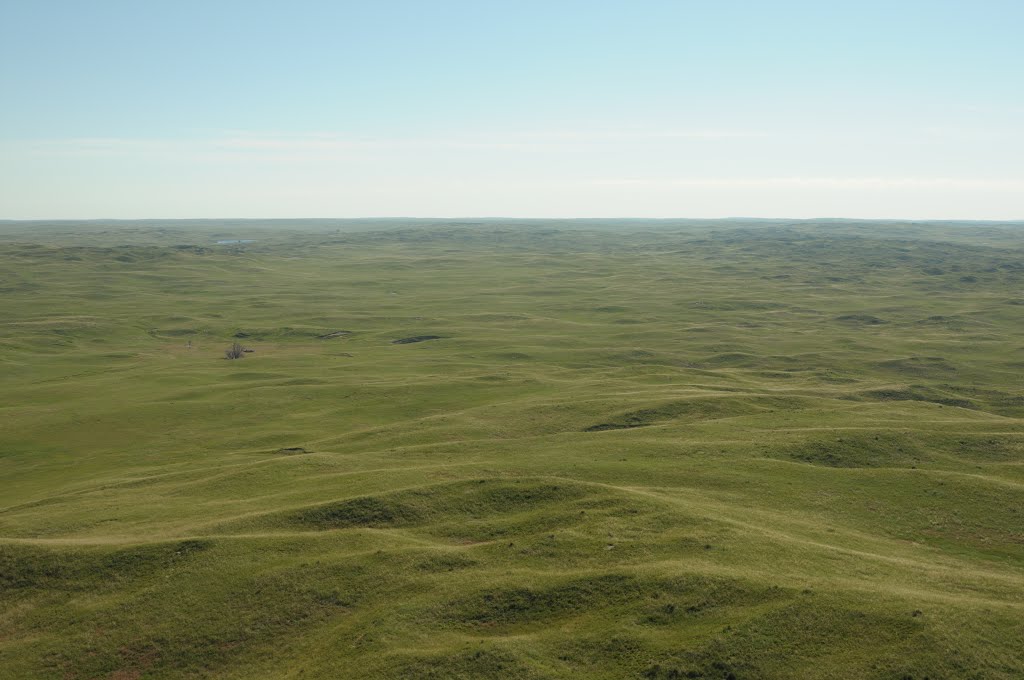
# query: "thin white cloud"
{"points": [[1002, 184], [327, 144], [516, 173]]}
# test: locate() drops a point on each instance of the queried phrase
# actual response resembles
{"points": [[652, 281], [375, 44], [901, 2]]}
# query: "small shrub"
{"points": [[236, 351]]}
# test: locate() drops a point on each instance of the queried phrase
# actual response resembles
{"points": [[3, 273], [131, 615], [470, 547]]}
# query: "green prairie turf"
{"points": [[637, 450]]}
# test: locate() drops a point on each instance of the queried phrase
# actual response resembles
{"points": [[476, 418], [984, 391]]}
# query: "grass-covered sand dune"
{"points": [[635, 450]]}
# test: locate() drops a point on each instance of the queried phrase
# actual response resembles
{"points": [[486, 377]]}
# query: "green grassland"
{"points": [[634, 450]]}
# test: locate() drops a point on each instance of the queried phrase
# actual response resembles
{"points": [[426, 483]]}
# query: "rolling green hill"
{"points": [[652, 449]]}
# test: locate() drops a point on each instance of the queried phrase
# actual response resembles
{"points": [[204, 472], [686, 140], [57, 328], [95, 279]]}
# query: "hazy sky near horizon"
{"points": [[560, 108]]}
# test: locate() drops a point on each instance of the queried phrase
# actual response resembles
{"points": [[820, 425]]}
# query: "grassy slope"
{"points": [[765, 452]]}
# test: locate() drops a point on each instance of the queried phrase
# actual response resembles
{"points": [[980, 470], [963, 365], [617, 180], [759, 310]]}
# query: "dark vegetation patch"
{"points": [[496, 317], [447, 506], [692, 598], [640, 356], [775, 375], [735, 305], [27, 567], [282, 332], [294, 382], [860, 319], [516, 605], [512, 356], [649, 600], [159, 629], [592, 654], [20, 287], [950, 323], [1012, 403], [979, 448], [696, 409], [984, 394], [858, 450], [462, 665], [936, 320], [916, 393], [367, 511], [482, 511], [918, 366], [415, 338], [292, 450], [831, 378], [631, 421], [101, 254], [757, 361], [445, 562], [796, 638], [530, 518], [501, 496]]}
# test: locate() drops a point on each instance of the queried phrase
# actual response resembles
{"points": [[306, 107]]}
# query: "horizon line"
{"points": [[500, 217]]}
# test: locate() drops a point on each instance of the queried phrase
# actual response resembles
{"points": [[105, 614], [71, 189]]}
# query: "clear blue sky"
{"points": [[909, 109]]}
